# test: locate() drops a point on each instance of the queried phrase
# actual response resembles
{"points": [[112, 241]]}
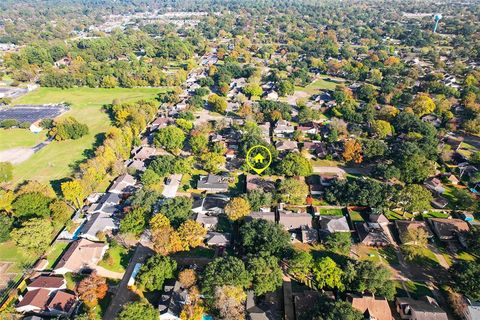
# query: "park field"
{"points": [[56, 160], [13, 138]]}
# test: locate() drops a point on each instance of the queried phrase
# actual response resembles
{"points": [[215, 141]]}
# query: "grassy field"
{"points": [[10, 253], [55, 252], [13, 138], [116, 259], [330, 212], [55, 160], [323, 83]]}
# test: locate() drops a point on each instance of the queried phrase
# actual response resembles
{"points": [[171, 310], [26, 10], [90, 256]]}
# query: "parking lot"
{"points": [[32, 113]]}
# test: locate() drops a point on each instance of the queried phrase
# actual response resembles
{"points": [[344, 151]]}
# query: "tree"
{"points": [[266, 274], [415, 241], [466, 276], [293, 191], [6, 200], [226, 271], [177, 209], [381, 128], [423, 104], [198, 142], [300, 265], [166, 240], [212, 161], [237, 208], [415, 198], [368, 276], [326, 310], [91, 289], [68, 128], [295, 165], [352, 151], [187, 278], [138, 311], [34, 235], [217, 103], [373, 148], [327, 273], [60, 212], [286, 87], [74, 192], [229, 301], [191, 234], [155, 271], [264, 236], [258, 199], [31, 205], [171, 138], [253, 90], [339, 242], [6, 171], [5, 227], [134, 222]]}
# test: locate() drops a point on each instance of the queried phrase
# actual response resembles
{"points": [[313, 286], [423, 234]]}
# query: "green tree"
{"points": [[264, 236], [217, 103], [61, 213], [155, 271], [286, 87], [199, 143], [293, 191], [258, 199], [134, 221], [34, 235], [466, 276], [171, 138], [339, 242], [300, 265], [381, 128], [5, 227], [253, 90], [6, 171], [227, 271], [367, 276], [266, 274], [138, 311], [6, 200], [31, 205], [177, 209], [334, 310], [212, 161], [327, 273], [295, 165], [74, 192], [109, 82], [415, 198]]}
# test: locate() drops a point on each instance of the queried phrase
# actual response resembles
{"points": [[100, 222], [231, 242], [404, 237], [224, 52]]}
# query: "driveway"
{"points": [[340, 170], [170, 190], [123, 294]]}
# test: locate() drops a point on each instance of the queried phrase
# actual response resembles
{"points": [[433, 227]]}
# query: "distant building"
{"points": [[371, 234], [371, 307], [332, 224]]}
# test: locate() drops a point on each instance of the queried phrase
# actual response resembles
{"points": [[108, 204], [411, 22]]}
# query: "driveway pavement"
{"points": [[170, 190], [340, 170]]}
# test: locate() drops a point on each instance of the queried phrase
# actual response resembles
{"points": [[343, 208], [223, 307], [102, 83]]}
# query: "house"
{"points": [[472, 311], [108, 204], [272, 95], [371, 234], [452, 179], [50, 283], [448, 229], [255, 182], [269, 216], [213, 183], [33, 301], [371, 307], [303, 302], [44, 302], [136, 165], [265, 131], [208, 221], [378, 218], [332, 224], [144, 153], [160, 122], [435, 185], [230, 154], [308, 128], [439, 202], [318, 149], [97, 223], [404, 227], [81, 254], [425, 308], [286, 145], [254, 311], [172, 301], [291, 221], [123, 184], [61, 303], [212, 203], [466, 216], [217, 239], [283, 128]]}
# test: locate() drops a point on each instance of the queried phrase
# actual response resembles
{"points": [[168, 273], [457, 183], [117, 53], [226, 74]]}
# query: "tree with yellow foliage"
{"points": [[353, 151]]}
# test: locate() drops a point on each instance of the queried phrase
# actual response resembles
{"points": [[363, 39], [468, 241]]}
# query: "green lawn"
{"points": [[116, 258], [435, 214], [355, 216], [323, 83], [55, 252], [330, 212], [10, 253], [55, 160], [14, 138], [416, 289], [392, 215]]}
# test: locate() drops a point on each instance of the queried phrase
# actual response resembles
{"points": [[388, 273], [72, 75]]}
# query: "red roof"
{"points": [[62, 301], [47, 282], [37, 298]]}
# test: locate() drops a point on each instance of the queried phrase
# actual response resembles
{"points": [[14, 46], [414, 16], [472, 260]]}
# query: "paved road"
{"points": [[123, 293], [170, 190]]}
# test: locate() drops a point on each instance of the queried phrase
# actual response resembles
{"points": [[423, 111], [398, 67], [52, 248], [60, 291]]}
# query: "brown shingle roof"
{"points": [[80, 253], [37, 298], [376, 308], [48, 282], [449, 227], [62, 301]]}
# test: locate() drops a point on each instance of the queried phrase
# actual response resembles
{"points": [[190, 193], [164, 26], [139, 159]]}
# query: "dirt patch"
{"points": [[16, 155]]}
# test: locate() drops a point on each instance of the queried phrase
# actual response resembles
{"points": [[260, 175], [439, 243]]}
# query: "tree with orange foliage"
{"points": [[353, 151], [91, 289]]}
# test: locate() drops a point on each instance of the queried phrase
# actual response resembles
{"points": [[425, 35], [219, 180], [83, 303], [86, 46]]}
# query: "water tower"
{"points": [[437, 18]]}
